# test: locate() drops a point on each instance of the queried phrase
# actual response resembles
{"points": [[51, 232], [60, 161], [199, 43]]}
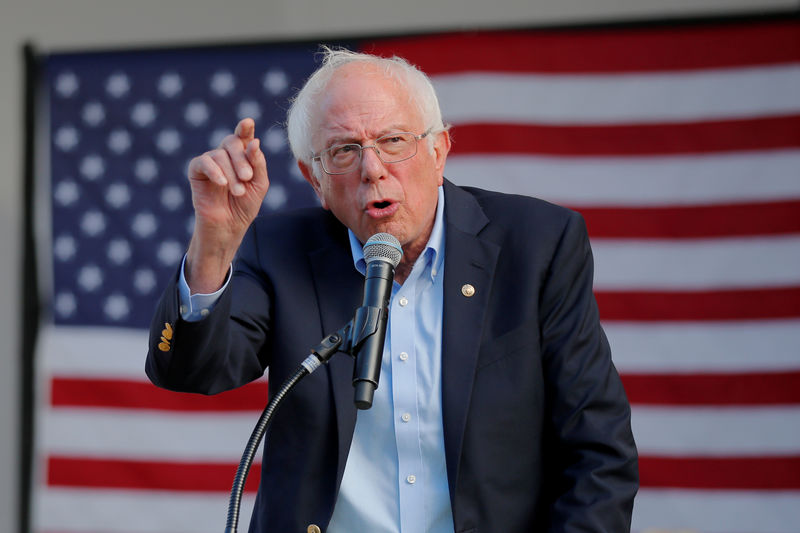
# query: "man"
{"points": [[499, 409]]}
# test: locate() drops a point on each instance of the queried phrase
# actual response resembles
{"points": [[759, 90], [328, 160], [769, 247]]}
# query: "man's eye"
{"points": [[343, 149]]}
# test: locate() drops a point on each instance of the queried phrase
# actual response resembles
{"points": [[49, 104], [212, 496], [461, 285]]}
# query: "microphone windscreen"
{"points": [[383, 247]]}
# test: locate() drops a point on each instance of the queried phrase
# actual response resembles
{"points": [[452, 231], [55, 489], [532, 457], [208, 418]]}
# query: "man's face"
{"points": [[360, 105]]}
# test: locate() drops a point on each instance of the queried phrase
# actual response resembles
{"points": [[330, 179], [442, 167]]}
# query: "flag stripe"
{"points": [[711, 264], [768, 473], [664, 181], [146, 475], [711, 511], [128, 394], [754, 388], [645, 49], [678, 222], [684, 472], [576, 100], [739, 304], [220, 437], [717, 431], [628, 139]]}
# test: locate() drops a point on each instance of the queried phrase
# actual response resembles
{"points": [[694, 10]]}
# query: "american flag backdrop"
{"points": [[680, 145]]}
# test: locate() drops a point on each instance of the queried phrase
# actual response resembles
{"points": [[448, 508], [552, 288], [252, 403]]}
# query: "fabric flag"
{"points": [[679, 144]]}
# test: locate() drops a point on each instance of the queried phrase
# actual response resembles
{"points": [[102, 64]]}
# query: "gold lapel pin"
{"points": [[467, 290]]}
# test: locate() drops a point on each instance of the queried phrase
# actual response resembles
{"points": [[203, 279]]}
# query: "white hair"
{"points": [[299, 118]]}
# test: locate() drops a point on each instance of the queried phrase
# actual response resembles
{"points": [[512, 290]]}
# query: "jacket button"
{"points": [[313, 528]]}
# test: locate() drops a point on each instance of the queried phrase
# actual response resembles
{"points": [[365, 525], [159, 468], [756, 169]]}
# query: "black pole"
{"points": [[29, 294]]}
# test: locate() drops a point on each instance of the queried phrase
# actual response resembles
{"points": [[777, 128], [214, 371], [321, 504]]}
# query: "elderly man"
{"points": [[499, 409]]}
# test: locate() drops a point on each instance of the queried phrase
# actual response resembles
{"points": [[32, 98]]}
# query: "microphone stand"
{"points": [[349, 340]]}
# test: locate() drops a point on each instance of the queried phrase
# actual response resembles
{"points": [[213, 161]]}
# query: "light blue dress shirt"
{"points": [[395, 480]]}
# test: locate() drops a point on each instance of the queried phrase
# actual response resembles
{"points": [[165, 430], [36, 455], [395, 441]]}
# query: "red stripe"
{"points": [[146, 475], [741, 304], [631, 140], [767, 218], [746, 473], [600, 50], [700, 473], [765, 388], [124, 394]]}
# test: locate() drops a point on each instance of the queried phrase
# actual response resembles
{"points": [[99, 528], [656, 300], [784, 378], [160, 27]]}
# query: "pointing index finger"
{"points": [[246, 130]]}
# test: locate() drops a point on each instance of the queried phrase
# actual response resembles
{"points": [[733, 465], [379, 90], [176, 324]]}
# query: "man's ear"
{"points": [[308, 173], [441, 147]]}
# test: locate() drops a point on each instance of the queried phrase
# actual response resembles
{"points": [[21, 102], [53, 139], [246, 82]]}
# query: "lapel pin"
{"points": [[467, 290]]}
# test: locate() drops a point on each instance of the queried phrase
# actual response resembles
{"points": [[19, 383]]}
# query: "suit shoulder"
{"points": [[516, 209]]}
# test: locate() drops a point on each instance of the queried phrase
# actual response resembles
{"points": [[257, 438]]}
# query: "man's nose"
{"points": [[372, 167]]}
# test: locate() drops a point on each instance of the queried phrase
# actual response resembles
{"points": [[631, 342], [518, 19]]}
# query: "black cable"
{"points": [[252, 446]]}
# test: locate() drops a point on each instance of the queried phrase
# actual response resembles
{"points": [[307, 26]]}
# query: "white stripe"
{"points": [[687, 347], [92, 351], [620, 98], [147, 435], [128, 511], [636, 181], [751, 262], [717, 431], [707, 511]]}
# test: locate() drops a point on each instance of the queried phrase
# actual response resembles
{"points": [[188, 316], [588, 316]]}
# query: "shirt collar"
{"points": [[433, 249]]}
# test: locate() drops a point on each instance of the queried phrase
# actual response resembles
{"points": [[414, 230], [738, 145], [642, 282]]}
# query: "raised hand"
{"points": [[228, 186]]}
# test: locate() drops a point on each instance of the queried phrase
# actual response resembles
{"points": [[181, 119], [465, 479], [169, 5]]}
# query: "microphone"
{"points": [[382, 253]]}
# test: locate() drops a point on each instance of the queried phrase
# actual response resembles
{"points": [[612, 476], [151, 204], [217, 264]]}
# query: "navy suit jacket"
{"points": [[536, 421]]}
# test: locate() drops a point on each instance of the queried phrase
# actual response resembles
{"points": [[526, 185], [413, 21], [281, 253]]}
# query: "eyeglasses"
{"points": [[391, 148]]}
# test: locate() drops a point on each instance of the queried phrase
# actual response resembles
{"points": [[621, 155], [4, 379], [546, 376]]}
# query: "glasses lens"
{"points": [[341, 158], [397, 147]]}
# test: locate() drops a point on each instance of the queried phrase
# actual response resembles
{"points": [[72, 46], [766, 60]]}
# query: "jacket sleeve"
{"points": [[595, 467], [224, 350]]}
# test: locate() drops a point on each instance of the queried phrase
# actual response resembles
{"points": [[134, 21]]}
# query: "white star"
{"points": [[143, 113], [216, 137], [65, 304], [90, 278], [277, 196], [66, 138], [196, 113], [118, 195], [92, 167], [168, 141], [116, 307], [275, 140], [275, 81], [93, 223], [249, 108], [67, 84], [119, 141], [66, 192], [118, 251], [118, 85], [170, 84], [171, 197], [144, 281], [93, 113], [144, 224], [222, 83], [65, 247], [146, 169], [170, 253]]}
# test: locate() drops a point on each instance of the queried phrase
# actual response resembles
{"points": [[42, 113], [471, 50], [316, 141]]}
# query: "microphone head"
{"points": [[383, 247]]}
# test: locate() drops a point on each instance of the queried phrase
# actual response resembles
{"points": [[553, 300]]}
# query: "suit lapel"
{"points": [[338, 286], [469, 262]]}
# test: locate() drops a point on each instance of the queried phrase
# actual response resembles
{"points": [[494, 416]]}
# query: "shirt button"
{"points": [[403, 301], [406, 417], [411, 479], [184, 309], [403, 356], [204, 312]]}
